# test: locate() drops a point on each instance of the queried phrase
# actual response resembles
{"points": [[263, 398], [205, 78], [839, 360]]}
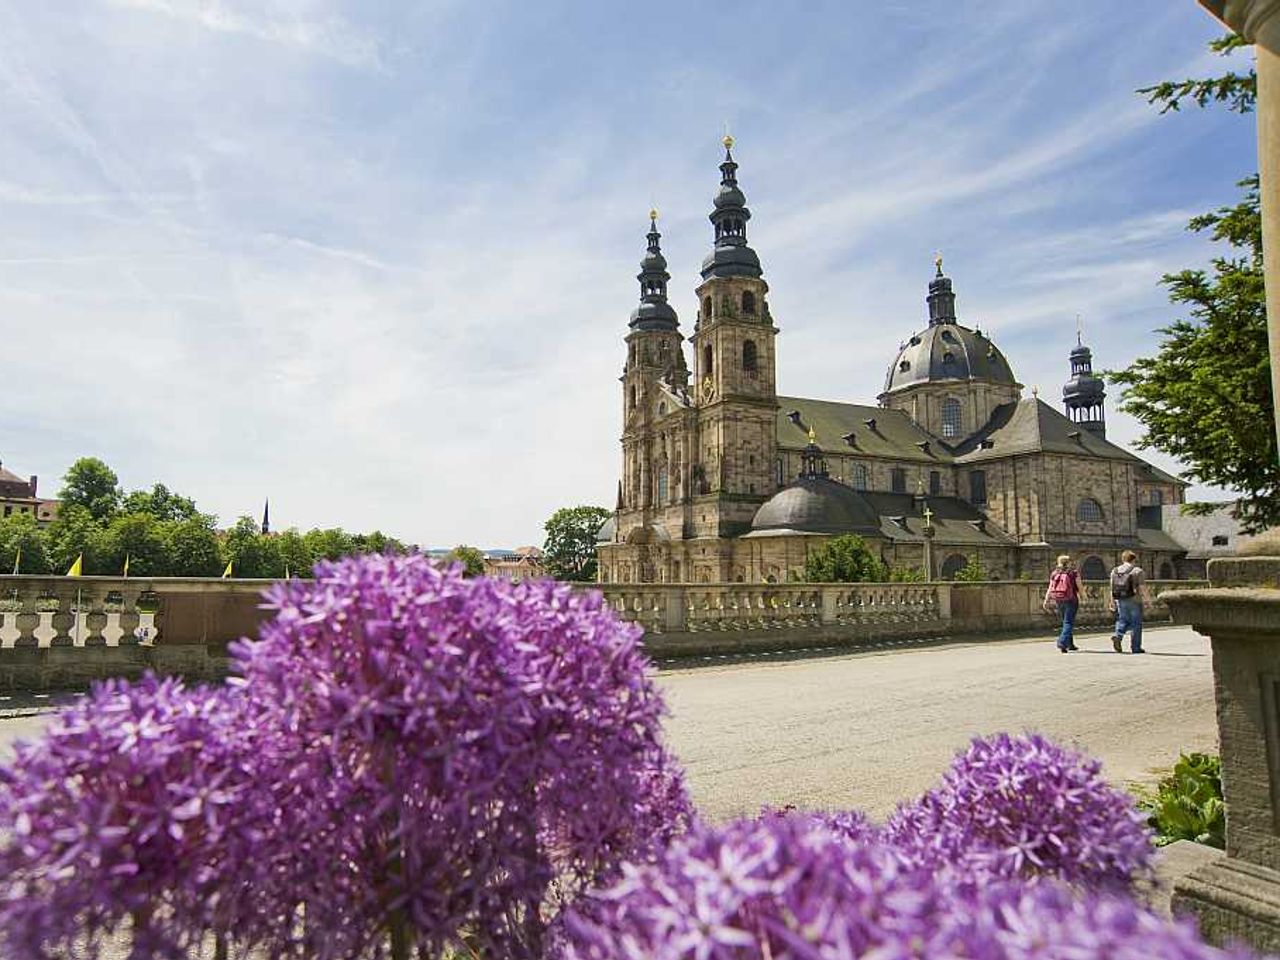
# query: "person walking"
{"points": [[1128, 586], [1064, 593]]}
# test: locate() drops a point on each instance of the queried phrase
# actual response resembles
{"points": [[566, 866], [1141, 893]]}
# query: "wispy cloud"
{"points": [[376, 261]]}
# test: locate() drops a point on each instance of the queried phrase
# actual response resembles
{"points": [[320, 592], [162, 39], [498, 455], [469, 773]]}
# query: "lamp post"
{"points": [[929, 531]]}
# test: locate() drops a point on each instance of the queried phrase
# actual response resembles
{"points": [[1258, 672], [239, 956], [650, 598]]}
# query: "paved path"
{"points": [[871, 729], [867, 730]]}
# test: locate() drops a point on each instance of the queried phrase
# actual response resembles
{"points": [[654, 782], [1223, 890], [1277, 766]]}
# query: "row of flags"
{"points": [[77, 568]]}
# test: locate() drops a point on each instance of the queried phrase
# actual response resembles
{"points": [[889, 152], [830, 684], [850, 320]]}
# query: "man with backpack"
{"points": [[1128, 584], [1064, 591]]}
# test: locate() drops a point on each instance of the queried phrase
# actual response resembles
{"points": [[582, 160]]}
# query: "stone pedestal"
{"points": [[1238, 897]]}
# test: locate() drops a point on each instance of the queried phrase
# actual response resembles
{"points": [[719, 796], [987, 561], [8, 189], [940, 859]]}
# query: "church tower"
{"points": [[654, 381], [1084, 393], [735, 387]]}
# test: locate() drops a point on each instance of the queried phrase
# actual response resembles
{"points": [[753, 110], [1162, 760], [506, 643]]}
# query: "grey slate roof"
{"points": [[896, 435], [947, 351]]}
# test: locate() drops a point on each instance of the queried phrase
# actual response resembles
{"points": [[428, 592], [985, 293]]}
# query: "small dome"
{"points": [[1086, 387], [817, 505], [729, 196], [607, 531], [731, 261], [653, 262], [947, 351], [653, 315]]}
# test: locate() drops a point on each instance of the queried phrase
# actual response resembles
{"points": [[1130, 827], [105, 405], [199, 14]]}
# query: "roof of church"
{"points": [[1032, 426], [947, 351], [895, 434], [12, 485]]}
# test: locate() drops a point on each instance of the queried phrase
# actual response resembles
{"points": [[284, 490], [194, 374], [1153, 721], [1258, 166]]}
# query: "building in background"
{"points": [[20, 496], [723, 479]]}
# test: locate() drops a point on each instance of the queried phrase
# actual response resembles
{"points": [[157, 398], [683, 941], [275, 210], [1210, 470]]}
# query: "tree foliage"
{"points": [[972, 571], [1237, 91], [472, 560], [91, 484], [570, 547], [1205, 397], [843, 559], [163, 534]]}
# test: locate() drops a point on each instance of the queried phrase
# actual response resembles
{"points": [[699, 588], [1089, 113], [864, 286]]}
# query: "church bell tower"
{"points": [[734, 386], [1084, 393]]}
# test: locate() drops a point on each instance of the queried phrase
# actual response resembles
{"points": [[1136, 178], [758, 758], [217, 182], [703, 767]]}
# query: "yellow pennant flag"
{"points": [[77, 568], [227, 572], [126, 565]]}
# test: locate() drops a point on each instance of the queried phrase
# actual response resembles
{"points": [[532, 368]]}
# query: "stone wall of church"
{"points": [[878, 472]]}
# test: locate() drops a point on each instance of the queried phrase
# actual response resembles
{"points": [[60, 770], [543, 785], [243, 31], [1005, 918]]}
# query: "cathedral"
{"points": [[725, 480]]}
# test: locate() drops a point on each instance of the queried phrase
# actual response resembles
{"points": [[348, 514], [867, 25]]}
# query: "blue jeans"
{"points": [[1129, 617], [1068, 610]]}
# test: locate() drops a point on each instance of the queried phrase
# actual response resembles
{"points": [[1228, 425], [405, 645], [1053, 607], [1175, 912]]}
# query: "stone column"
{"points": [[1238, 896], [1258, 21]]}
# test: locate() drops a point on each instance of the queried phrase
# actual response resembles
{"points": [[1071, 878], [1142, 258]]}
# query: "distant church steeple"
{"points": [[266, 516], [730, 257], [941, 299], [1084, 393], [654, 312]]}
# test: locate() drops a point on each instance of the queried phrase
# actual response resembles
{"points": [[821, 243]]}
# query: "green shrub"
{"points": [[972, 571], [1187, 803], [843, 559]]}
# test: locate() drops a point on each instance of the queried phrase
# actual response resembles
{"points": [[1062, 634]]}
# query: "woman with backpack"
{"points": [[1064, 592]]}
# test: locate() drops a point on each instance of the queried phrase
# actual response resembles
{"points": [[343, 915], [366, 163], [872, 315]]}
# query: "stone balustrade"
{"points": [[58, 632]]}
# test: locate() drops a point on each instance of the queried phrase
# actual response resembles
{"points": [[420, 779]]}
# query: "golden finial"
{"points": [[813, 435], [937, 261], [728, 142], [653, 213]]}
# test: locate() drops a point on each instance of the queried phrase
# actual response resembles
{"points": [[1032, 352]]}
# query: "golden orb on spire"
{"points": [[653, 213], [728, 142], [937, 260]]}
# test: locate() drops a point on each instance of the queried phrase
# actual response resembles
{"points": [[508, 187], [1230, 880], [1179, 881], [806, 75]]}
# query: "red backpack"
{"points": [[1062, 585]]}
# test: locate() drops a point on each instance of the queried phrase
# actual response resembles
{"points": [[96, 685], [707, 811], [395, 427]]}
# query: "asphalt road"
{"points": [[868, 730]]}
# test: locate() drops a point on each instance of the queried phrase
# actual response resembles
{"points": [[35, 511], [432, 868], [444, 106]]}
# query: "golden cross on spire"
{"points": [[928, 516]]}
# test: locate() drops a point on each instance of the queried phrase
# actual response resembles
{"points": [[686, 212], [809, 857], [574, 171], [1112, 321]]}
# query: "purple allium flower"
{"points": [[1025, 807], [133, 809], [467, 752], [789, 888]]}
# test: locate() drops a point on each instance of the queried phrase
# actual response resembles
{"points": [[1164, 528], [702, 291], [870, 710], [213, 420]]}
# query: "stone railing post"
{"points": [[129, 618], [676, 605], [63, 620], [830, 604], [95, 621], [28, 618], [1238, 896]]}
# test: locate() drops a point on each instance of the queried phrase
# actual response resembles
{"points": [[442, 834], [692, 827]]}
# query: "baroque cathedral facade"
{"points": [[725, 480]]}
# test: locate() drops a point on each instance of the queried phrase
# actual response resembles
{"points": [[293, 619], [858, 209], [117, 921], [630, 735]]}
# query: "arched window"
{"points": [[953, 565], [1093, 569], [662, 485], [858, 476], [748, 303], [950, 417], [749, 356], [706, 360], [662, 408], [1089, 511], [706, 308]]}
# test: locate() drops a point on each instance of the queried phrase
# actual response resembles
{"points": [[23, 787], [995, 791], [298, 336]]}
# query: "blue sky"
{"points": [[375, 260]]}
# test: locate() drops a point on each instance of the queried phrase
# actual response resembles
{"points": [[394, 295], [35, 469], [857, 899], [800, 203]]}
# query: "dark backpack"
{"points": [[1122, 584]]}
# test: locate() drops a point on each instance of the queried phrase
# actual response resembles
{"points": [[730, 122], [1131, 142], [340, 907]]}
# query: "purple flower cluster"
{"points": [[409, 758], [1022, 806], [792, 888], [132, 811]]}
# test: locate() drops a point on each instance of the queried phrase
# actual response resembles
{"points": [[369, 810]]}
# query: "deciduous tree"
{"points": [[843, 559], [570, 547], [91, 484]]}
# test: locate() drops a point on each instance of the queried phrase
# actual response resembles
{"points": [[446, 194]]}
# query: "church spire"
{"points": [[654, 312], [941, 299], [813, 466], [731, 257], [1084, 394]]}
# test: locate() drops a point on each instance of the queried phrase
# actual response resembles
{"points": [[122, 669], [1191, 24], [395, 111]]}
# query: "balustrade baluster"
{"points": [[64, 620], [27, 619], [129, 617], [95, 621]]}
